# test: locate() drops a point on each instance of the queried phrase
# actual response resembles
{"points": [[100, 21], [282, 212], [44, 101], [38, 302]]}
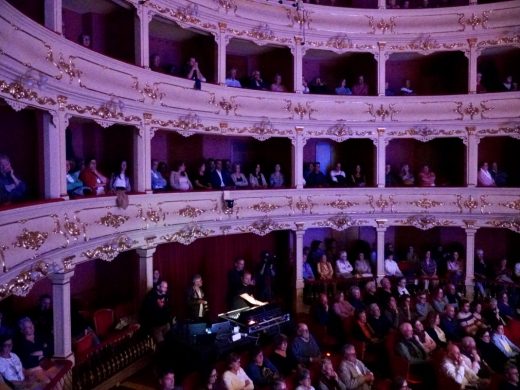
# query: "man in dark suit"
{"points": [[220, 178]]}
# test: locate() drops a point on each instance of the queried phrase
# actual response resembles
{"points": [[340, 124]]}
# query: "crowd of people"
{"points": [[493, 177]]}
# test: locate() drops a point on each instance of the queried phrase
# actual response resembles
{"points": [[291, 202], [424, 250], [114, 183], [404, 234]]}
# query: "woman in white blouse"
{"points": [[10, 364], [235, 378], [179, 179], [119, 180], [238, 177]]}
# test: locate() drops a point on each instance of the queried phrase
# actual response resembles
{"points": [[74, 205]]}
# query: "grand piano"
{"points": [[257, 319]]}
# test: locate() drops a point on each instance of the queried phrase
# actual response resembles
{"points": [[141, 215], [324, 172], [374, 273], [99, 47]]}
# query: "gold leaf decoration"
{"points": [[514, 204], [31, 239], [110, 250], [190, 212], [382, 112], [18, 91], [113, 220], [424, 222], [381, 203], [263, 227], [426, 203], [469, 203], [340, 222], [188, 234], [342, 204], [25, 280], [511, 224], [264, 207]]}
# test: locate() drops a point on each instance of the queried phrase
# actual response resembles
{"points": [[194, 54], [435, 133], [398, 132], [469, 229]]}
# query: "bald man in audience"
{"points": [[457, 369]]}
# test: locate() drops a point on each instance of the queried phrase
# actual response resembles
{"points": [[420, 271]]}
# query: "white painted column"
{"points": [[142, 180], [470, 259], [141, 34], [222, 40], [145, 272], [472, 56], [298, 51], [381, 58], [54, 151], [298, 143], [300, 232], [380, 157], [381, 4], [53, 15], [61, 314], [381, 230], [471, 157]]}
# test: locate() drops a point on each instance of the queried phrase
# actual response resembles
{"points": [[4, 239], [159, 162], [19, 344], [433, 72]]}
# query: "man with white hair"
{"points": [[304, 347], [343, 267], [353, 372]]}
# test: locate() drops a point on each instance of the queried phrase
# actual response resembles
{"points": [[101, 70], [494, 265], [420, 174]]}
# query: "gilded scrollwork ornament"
{"points": [[113, 220], [31, 239], [191, 212], [426, 203], [264, 207], [340, 222], [25, 280], [263, 227], [110, 250], [511, 224], [424, 222], [188, 234]]}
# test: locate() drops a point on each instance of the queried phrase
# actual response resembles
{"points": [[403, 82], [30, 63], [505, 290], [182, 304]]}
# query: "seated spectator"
{"points": [[318, 87], [193, 73], [338, 176], [504, 344], [392, 4], [256, 81], [500, 177], [358, 177], [343, 267], [342, 308], [407, 177], [305, 86], [484, 176], [406, 89], [457, 369], [391, 266], [428, 270], [450, 325], [119, 180], [210, 380], [388, 90], [304, 380], [353, 372], [93, 179], [281, 357], [155, 63], [179, 179], [158, 181], [362, 266], [492, 314], [453, 296], [439, 301], [75, 186], [392, 313], [480, 86], [466, 319], [406, 310], [235, 378], [370, 295], [455, 269], [308, 273], [423, 338], [505, 309], [409, 347], [167, 380], [390, 177], [468, 350], [316, 178], [257, 178], [329, 379], [85, 40], [219, 177], [277, 85], [276, 179], [201, 179], [379, 324], [325, 270], [355, 298], [321, 311], [503, 274], [512, 380], [343, 89], [238, 177], [12, 189], [422, 306], [433, 321], [489, 352], [304, 347], [362, 331], [507, 85], [385, 291], [360, 88], [400, 288], [426, 177], [10, 364], [232, 81], [30, 347], [261, 371]]}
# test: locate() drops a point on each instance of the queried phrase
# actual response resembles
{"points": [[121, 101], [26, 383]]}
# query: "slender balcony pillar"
{"points": [[222, 40], [298, 143], [470, 259], [471, 157], [381, 58], [381, 230], [299, 233], [142, 160], [54, 151], [380, 157], [142, 21], [298, 51], [145, 272], [472, 55], [381, 4], [61, 314], [53, 15]]}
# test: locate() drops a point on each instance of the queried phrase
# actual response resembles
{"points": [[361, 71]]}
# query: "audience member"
{"points": [[480, 86], [219, 177], [197, 303], [385, 291], [304, 347], [392, 314], [119, 180], [362, 267], [281, 356], [358, 177], [85, 40], [433, 321], [305, 86], [325, 270], [256, 81], [277, 85], [428, 270], [342, 308], [390, 177], [238, 177], [257, 178], [362, 331], [261, 371], [32, 348], [318, 87], [407, 177], [400, 288], [201, 181], [316, 178], [370, 295], [343, 89], [422, 306], [466, 319], [338, 176], [360, 88], [456, 368], [156, 312], [12, 189], [75, 186], [410, 348], [235, 378], [453, 296], [167, 380], [406, 89], [423, 338], [455, 269], [379, 324], [92, 178], [343, 267], [10, 364], [507, 85], [500, 177], [505, 309], [329, 379], [426, 177], [391, 266], [406, 310], [179, 179], [504, 344], [158, 181], [484, 176], [193, 73], [512, 380], [304, 380], [353, 372], [276, 179], [450, 325], [389, 91], [490, 354], [232, 81]]}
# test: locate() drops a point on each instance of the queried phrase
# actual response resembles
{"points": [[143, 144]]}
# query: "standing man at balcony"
{"points": [[155, 313], [11, 188], [193, 73]]}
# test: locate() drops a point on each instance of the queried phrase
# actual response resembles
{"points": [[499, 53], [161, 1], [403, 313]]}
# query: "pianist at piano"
{"points": [[246, 287]]}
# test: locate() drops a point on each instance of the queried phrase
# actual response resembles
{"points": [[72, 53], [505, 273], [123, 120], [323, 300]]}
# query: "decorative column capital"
{"points": [[146, 252], [300, 228], [61, 277]]}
